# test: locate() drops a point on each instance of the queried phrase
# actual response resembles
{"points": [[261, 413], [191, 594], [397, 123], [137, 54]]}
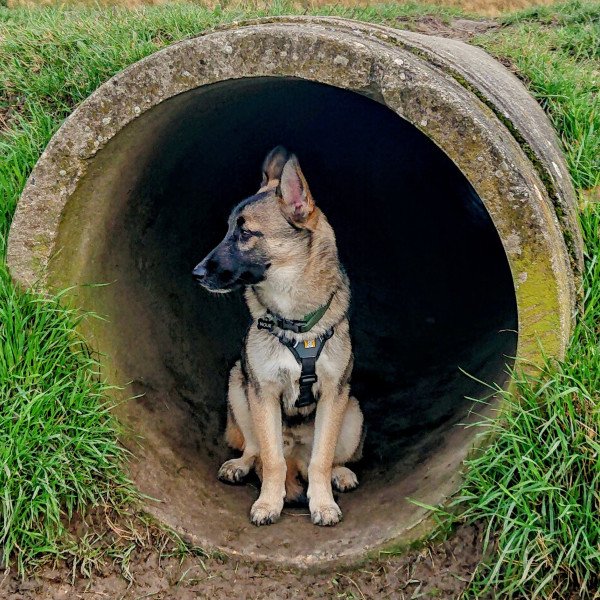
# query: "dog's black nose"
{"points": [[199, 273]]}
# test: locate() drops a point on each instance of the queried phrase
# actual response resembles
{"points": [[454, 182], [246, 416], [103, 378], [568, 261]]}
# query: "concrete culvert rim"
{"points": [[461, 246]]}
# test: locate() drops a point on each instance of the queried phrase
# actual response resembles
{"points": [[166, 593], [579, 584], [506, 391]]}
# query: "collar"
{"points": [[304, 325]]}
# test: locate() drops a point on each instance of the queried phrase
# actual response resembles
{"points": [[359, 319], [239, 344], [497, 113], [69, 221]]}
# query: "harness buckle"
{"points": [[308, 379], [305, 400], [291, 325]]}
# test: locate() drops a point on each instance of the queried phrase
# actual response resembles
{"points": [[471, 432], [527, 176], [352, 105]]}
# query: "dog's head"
{"points": [[267, 232]]}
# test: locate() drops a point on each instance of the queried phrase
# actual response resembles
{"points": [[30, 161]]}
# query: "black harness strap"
{"points": [[307, 354]]}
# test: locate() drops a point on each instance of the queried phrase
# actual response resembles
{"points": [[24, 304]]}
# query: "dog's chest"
{"points": [[289, 377], [279, 366]]}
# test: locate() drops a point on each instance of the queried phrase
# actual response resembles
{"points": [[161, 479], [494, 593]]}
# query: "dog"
{"points": [[289, 408]]}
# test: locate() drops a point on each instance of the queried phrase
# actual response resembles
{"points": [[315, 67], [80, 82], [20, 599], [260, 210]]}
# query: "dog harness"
{"points": [[305, 352]]}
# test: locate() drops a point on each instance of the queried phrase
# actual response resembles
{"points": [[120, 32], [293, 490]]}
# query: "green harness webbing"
{"points": [[306, 352]]}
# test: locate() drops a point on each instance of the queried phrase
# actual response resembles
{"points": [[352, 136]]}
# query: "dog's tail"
{"points": [[295, 492]]}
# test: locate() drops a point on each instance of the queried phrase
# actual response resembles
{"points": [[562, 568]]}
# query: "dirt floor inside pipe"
{"points": [[433, 301]]}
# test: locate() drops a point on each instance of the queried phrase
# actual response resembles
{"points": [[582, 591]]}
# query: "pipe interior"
{"points": [[433, 298]]}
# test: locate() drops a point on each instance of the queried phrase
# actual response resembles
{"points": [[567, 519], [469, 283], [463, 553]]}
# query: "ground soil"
{"points": [[436, 571], [458, 29]]}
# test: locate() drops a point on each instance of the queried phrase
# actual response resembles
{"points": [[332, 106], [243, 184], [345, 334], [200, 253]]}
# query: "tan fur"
{"points": [[293, 488], [233, 434], [304, 274]]}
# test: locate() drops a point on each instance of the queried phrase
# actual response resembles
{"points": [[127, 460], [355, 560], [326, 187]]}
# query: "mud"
{"points": [[440, 570]]}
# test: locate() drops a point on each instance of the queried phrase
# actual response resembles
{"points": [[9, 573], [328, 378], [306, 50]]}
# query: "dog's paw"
{"points": [[326, 515], [233, 471], [343, 479], [263, 513]]}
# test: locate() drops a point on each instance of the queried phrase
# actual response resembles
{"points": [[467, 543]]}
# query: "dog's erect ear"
{"points": [[296, 200], [273, 164]]}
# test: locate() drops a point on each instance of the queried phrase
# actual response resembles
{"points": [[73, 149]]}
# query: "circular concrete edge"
{"points": [[356, 57]]}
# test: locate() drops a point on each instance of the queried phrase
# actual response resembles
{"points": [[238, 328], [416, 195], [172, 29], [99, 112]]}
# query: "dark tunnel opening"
{"points": [[433, 297]]}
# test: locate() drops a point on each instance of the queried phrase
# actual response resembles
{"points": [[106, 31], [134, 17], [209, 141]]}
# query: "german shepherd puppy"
{"points": [[281, 248]]}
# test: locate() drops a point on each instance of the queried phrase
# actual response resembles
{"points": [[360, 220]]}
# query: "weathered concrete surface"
{"points": [[74, 219], [499, 89]]}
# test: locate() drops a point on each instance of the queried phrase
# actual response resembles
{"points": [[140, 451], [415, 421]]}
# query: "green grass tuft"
{"points": [[538, 484], [58, 445], [556, 51]]}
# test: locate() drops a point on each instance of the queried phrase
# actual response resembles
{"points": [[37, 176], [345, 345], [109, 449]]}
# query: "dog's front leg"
{"points": [[266, 415], [328, 421]]}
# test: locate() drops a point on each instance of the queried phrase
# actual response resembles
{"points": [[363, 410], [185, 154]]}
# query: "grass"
{"points": [[58, 445], [536, 486], [487, 7], [557, 53]]}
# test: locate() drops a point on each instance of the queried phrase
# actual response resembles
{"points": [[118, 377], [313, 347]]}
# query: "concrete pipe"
{"points": [[455, 218]]}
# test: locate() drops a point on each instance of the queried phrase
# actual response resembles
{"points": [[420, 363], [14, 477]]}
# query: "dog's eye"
{"points": [[245, 234]]}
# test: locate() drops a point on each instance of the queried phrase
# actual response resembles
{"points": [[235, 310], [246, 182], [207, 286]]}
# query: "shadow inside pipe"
{"points": [[432, 294]]}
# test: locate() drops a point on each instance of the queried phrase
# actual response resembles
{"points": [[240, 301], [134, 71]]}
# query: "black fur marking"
{"points": [[252, 381], [296, 228], [251, 200], [246, 370], [297, 419], [345, 380], [310, 240], [246, 276], [244, 366], [240, 225]]}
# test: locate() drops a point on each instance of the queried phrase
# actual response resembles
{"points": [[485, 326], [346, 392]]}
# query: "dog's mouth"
{"points": [[219, 290], [220, 285]]}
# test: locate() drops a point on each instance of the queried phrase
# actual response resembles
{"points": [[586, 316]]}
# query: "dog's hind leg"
{"points": [[343, 479], [239, 433], [348, 448]]}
